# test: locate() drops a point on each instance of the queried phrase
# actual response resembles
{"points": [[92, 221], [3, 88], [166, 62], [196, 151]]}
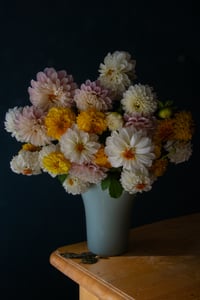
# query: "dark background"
{"points": [[36, 214]]}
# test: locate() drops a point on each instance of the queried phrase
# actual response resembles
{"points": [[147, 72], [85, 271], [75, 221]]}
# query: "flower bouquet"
{"points": [[112, 131]]}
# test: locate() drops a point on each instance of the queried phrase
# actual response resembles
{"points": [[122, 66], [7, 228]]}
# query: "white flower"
{"points": [[129, 148], [117, 71], [114, 120], [26, 163], [79, 146], [12, 120], [178, 151], [137, 181], [139, 98], [73, 185]]}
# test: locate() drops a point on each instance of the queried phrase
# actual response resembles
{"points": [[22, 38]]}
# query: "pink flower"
{"points": [[52, 88], [28, 125], [139, 121], [92, 95], [88, 172]]}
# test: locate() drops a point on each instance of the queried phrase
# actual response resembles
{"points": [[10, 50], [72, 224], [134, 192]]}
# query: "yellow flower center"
{"points": [[129, 153]]}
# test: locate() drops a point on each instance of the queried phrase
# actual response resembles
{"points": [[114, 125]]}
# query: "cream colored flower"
{"points": [[73, 185], [79, 146], [26, 163], [136, 182], [114, 120], [129, 149], [117, 71], [140, 99], [178, 151]]}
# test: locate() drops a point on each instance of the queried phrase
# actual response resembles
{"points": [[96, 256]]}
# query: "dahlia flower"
{"points": [[88, 172], [129, 149], [52, 88], [178, 151], [79, 146], [140, 99], [27, 125], [26, 163], [117, 71], [137, 181], [73, 185], [92, 95]]}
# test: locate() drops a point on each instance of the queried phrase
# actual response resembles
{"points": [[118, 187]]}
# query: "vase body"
{"points": [[108, 221]]}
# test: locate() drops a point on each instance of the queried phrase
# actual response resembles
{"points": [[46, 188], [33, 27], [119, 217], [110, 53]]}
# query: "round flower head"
{"points": [[79, 146], [52, 88], [53, 161], [92, 121], [117, 71], [178, 151], [73, 185], [129, 149], [137, 181], [139, 98], [114, 120], [92, 95], [26, 163], [88, 172], [140, 122], [12, 120], [27, 125], [58, 120]]}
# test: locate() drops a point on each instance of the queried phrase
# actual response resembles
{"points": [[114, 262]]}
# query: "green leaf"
{"points": [[115, 188], [62, 177], [105, 183]]}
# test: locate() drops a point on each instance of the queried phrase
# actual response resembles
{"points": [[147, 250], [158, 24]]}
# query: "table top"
{"points": [[162, 263]]}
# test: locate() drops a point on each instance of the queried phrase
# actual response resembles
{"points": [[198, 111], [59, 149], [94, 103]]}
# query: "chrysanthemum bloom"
{"points": [[53, 161], [129, 148], [140, 99], [183, 126], [73, 185], [12, 120], [117, 71], [92, 121], [135, 182], [92, 95], [26, 163], [79, 146], [140, 122], [114, 120], [28, 126], [58, 120], [178, 151], [52, 88], [159, 167], [101, 158], [88, 172], [163, 130], [56, 164]]}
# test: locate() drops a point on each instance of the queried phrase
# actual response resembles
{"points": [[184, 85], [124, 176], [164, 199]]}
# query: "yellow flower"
{"points": [[56, 163], [58, 120], [101, 159], [92, 121], [164, 130], [183, 126], [30, 147], [159, 167]]}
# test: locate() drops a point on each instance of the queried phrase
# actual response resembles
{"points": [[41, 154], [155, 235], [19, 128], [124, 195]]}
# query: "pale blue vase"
{"points": [[108, 221]]}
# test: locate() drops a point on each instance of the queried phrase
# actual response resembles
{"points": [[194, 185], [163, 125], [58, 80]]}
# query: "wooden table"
{"points": [[163, 263]]}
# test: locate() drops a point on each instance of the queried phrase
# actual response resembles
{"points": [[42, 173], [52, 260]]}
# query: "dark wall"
{"points": [[36, 214]]}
